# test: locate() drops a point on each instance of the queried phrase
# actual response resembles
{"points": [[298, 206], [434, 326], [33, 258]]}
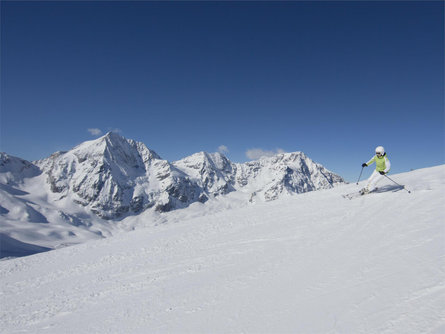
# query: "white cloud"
{"points": [[115, 130], [223, 149], [257, 153], [95, 132]]}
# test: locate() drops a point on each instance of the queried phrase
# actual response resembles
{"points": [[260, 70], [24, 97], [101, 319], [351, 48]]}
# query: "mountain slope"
{"points": [[313, 263], [14, 170]]}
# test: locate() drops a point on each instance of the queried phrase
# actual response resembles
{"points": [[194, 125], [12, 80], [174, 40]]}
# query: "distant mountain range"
{"points": [[114, 176], [73, 196]]}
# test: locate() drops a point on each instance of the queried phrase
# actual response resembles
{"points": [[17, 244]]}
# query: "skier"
{"points": [[382, 166]]}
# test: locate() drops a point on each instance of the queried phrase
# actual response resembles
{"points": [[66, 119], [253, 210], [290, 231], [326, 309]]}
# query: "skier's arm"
{"points": [[370, 161]]}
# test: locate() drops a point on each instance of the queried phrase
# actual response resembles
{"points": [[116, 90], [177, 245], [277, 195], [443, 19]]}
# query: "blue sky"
{"points": [[331, 79]]}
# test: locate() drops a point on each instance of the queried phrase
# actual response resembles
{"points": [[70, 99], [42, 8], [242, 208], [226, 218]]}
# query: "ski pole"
{"points": [[397, 183], [360, 175]]}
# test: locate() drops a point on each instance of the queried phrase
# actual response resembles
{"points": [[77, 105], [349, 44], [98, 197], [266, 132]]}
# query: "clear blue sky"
{"points": [[331, 79]]}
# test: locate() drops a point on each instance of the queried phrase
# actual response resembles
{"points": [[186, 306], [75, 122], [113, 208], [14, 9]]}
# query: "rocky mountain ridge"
{"points": [[113, 177]]}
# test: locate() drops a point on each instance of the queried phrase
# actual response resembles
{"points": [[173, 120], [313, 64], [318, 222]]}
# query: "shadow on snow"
{"points": [[388, 188]]}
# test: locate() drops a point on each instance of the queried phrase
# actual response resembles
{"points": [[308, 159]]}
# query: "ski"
{"points": [[352, 195], [358, 194]]}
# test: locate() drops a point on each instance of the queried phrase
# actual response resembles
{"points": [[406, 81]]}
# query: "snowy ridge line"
{"points": [[320, 264]]}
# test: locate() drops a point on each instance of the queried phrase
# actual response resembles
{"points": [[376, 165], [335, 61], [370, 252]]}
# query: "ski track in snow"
{"points": [[312, 263]]}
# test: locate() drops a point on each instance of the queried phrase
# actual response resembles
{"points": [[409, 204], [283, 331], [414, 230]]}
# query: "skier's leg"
{"points": [[375, 178], [366, 189], [371, 181]]}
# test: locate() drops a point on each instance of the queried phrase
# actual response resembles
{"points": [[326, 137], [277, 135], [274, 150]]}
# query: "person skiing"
{"points": [[382, 166]]}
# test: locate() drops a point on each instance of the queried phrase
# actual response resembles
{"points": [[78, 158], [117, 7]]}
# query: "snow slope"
{"points": [[312, 263]]}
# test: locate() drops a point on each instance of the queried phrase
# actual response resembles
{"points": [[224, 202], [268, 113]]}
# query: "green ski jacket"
{"points": [[382, 164]]}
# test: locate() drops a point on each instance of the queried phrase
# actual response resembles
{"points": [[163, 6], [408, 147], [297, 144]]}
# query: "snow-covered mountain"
{"points": [[312, 263], [286, 173], [212, 172], [14, 170], [268, 178], [76, 192], [113, 176]]}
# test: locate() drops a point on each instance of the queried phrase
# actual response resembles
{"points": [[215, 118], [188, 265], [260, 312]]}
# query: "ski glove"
{"points": [[364, 164], [382, 173]]}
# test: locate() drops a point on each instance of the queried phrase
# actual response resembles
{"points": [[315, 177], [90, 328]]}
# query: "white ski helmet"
{"points": [[380, 149]]}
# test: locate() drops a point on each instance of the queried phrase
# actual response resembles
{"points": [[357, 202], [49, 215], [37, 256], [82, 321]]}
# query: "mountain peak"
{"points": [[205, 160], [114, 147], [215, 156], [13, 170], [110, 139], [113, 137]]}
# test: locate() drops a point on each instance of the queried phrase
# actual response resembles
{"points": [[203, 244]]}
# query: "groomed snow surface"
{"points": [[311, 263]]}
